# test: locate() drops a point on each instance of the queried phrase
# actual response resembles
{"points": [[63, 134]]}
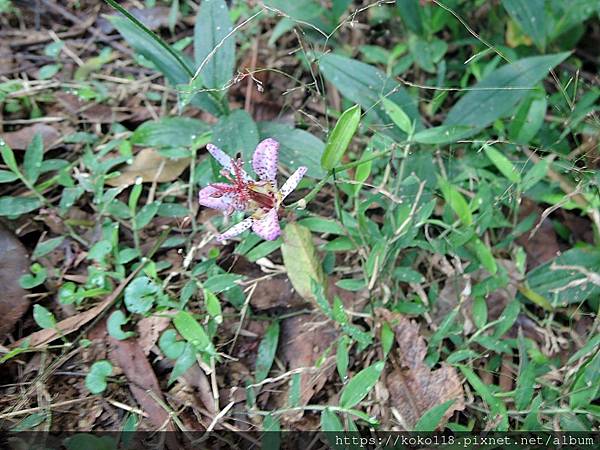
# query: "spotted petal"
{"points": [[236, 229], [206, 198], [268, 227], [292, 182], [225, 160], [264, 161]]}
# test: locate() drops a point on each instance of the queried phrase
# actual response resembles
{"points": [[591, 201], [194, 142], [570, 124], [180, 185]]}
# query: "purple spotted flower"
{"points": [[261, 197]]}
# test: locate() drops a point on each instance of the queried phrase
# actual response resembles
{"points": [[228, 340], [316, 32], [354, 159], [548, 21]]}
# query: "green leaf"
{"points": [[15, 206], [360, 385], [484, 254], [497, 94], [213, 306], [410, 11], [222, 282], [407, 275], [169, 132], [43, 317], [235, 133], [140, 295], [296, 146], [169, 345], [531, 17], [9, 157], [340, 137], [95, 380], [443, 134], [45, 247], [536, 174], [342, 357], [114, 323], [184, 361], [586, 388], [456, 201], [365, 85], [266, 352], [48, 71], [427, 52], [213, 50], [7, 177], [145, 215], [387, 338], [502, 163], [330, 421], [528, 119], [300, 259], [526, 377], [35, 278], [32, 161], [496, 406], [99, 250], [193, 332], [431, 418], [398, 116]]}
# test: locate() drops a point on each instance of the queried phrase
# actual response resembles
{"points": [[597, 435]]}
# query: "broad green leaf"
{"points": [[444, 134], [322, 225], [528, 119], [9, 157], [193, 332], [145, 215], [410, 11], [184, 361], [15, 206], [266, 352], [43, 317], [360, 385], [484, 254], [398, 116], [340, 137], [525, 378], [502, 163], [169, 132], [302, 12], [342, 357], [45, 247], [431, 418], [222, 282], [531, 17], [300, 259], [366, 85], [32, 161], [507, 318], [536, 174], [214, 52], [387, 338], [561, 284], [140, 295], [297, 147], [235, 133], [213, 306], [7, 177], [480, 311], [271, 439], [407, 275], [35, 278], [456, 201], [169, 345], [95, 380], [427, 52], [497, 94], [586, 388], [114, 323], [330, 421]]}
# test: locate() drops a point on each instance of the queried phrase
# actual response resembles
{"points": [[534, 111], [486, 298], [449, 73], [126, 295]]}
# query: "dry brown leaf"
{"points": [[129, 356], [149, 330], [19, 140], [543, 245], [414, 388], [150, 166], [13, 264], [73, 323], [91, 112], [303, 340]]}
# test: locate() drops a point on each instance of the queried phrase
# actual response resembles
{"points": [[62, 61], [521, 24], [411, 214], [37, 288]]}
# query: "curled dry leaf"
{"points": [[150, 166], [414, 388], [149, 330], [13, 264], [19, 140]]}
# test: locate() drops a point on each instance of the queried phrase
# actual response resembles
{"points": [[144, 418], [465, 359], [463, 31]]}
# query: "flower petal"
{"points": [[268, 227], [224, 159], [222, 203], [264, 161], [238, 228], [292, 182]]}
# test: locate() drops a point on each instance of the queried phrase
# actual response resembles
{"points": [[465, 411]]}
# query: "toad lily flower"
{"points": [[261, 198]]}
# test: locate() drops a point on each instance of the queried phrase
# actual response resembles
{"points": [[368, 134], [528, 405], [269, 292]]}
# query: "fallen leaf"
{"points": [[195, 378], [130, 357], [149, 330], [19, 140], [150, 166], [13, 264], [415, 388], [300, 259], [302, 342], [74, 323], [92, 112]]}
